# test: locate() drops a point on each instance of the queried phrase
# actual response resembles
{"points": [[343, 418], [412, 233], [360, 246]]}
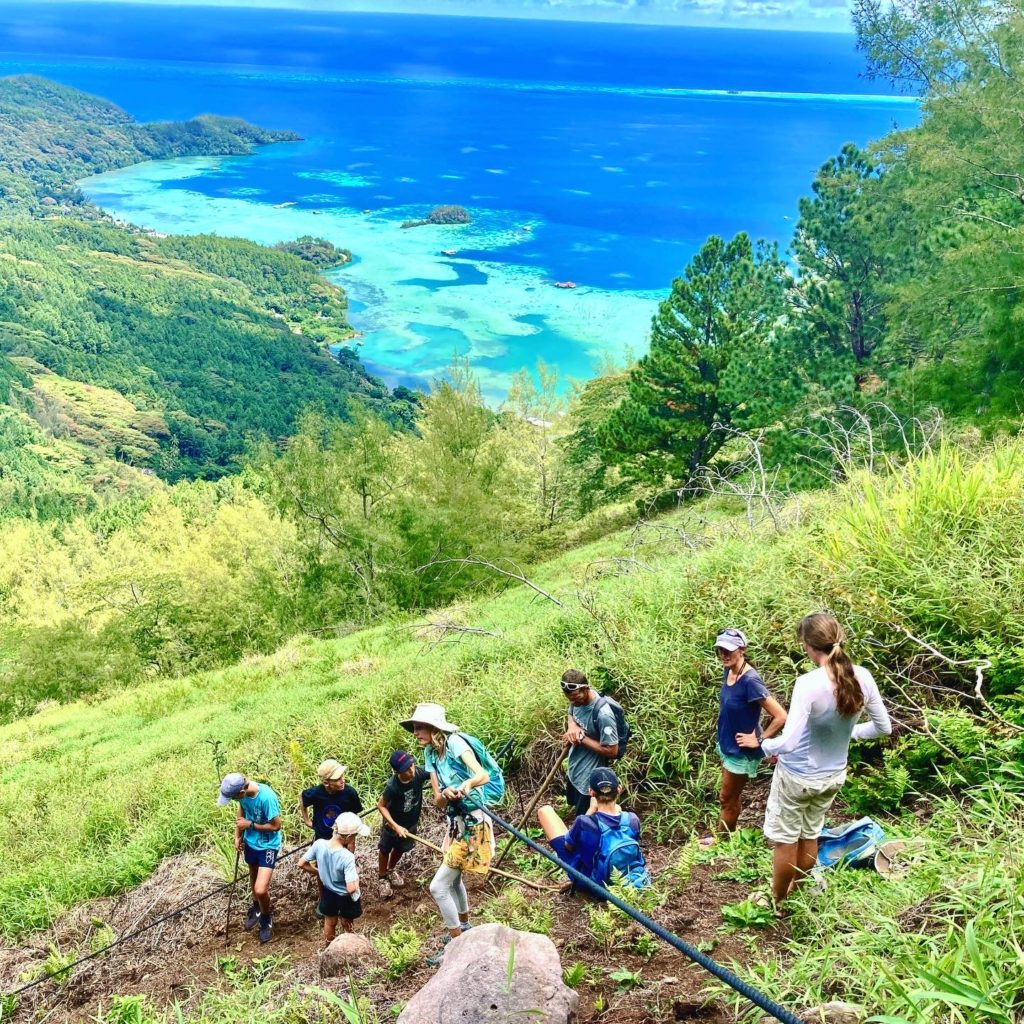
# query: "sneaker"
{"points": [[396, 879], [266, 927], [465, 926], [435, 959], [384, 891], [252, 915]]}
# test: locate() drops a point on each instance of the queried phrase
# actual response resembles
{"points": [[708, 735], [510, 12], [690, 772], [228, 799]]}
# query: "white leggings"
{"points": [[449, 892]]}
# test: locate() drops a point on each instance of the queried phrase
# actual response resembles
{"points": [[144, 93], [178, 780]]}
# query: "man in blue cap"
{"points": [[400, 807], [258, 834]]}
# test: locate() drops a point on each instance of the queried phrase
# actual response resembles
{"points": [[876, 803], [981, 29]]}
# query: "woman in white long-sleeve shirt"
{"points": [[813, 747]]}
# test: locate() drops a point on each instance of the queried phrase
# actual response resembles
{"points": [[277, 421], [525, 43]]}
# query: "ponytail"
{"points": [[824, 634]]}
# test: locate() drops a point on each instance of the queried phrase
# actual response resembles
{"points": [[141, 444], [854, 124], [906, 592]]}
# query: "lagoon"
{"points": [[593, 153]]}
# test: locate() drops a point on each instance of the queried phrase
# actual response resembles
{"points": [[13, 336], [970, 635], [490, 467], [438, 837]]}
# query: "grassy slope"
{"points": [[130, 779]]}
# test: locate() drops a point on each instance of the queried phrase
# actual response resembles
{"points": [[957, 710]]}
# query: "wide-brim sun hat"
{"points": [[429, 714], [349, 824]]}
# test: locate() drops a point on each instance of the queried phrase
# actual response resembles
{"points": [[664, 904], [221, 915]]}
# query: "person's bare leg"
{"points": [[551, 823], [806, 858], [346, 924], [330, 929], [261, 888], [382, 864], [729, 801], [783, 870], [393, 859]]}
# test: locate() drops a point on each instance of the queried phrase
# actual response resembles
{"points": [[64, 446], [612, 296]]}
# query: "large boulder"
{"points": [[348, 950], [492, 973]]}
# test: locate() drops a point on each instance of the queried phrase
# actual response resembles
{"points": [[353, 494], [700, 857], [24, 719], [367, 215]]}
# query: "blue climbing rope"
{"points": [[722, 973]]}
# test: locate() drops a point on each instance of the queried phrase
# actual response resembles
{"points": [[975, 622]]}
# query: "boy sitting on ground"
{"points": [[600, 843], [333, 862], [400, 806]]}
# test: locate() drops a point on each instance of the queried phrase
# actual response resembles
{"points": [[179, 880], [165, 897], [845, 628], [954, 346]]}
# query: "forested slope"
{"points": [[202, 345]]}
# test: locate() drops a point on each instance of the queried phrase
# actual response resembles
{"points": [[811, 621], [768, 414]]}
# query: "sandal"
{"points": [[706, 842]]}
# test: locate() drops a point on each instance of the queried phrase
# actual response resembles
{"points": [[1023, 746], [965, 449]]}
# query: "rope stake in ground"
{"points": [[231, 893], [722, 973], [562, 754]]}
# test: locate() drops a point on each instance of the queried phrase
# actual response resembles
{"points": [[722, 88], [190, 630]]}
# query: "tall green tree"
{"points": [[841, 297], [729, 296]]}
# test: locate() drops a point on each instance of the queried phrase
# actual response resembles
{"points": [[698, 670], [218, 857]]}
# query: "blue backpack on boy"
{"points": [[619, 850]]}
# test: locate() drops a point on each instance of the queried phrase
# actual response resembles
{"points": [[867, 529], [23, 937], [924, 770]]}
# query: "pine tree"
{"points": [[730, 294]]}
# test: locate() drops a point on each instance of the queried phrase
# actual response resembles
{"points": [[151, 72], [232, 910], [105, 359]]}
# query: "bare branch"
{"points": [[515, 574]]}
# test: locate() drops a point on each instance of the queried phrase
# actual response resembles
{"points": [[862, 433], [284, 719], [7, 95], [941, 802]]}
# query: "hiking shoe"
{"points": [[396, 879], [266, 927], [384, 890], [434, 960], [252, 915], [465, 926]]}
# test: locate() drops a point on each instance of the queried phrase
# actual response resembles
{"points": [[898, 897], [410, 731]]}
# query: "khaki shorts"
{"points": [[797, 806], [473, 850]]}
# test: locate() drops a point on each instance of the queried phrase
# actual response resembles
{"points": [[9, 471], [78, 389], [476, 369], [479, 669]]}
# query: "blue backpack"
{"points": [[494, 791], [619, 850], [854, 844]]}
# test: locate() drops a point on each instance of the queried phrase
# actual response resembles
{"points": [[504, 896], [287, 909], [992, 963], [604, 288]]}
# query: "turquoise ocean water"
{"points": [[601, 155]]}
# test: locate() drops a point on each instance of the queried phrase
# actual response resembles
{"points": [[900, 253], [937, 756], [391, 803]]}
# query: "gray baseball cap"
{"points": [[230, 786]]}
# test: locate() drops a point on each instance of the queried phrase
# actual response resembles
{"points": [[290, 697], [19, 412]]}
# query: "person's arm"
{"points": [[796, 722], [880, 724], [308, 862], [480, 777], [304, 810], [352, 877], [573, 730], [607, 745], [274, 825], [778, 716], [382, 807], [439, 800]]}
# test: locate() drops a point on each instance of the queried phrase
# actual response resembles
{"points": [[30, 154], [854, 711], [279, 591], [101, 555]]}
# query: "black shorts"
{"points": [[391, 841], [579, 802], [340, 904], [261, 858]]}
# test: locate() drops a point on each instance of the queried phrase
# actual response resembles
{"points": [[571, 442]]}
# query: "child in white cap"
{"points": [[333, 862]]}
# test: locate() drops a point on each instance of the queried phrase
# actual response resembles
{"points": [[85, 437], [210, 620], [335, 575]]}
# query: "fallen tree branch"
{"points": [[517, 575]]}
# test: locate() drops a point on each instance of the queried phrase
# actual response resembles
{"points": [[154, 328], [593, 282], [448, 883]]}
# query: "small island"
{"points": [[442, 215], [318, 251]]}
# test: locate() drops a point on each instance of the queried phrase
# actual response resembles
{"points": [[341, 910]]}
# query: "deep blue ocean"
{"points": [[594, 153]]}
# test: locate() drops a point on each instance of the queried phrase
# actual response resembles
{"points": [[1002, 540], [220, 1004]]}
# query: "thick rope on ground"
{"points": [[722, 973]]}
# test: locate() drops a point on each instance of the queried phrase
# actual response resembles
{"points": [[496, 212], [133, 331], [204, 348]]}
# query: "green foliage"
{"points": [[318, 251], [747, 914], [626, 980], [127, 1010], [575, 975], [730, 296], [400, 948], [512, 907]]}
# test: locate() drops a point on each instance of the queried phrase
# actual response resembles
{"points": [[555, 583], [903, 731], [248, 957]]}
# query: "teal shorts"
{"points": [[739, 765]]}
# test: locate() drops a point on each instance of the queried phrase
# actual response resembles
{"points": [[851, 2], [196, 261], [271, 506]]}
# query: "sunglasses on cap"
{"points": [[573, 687]]}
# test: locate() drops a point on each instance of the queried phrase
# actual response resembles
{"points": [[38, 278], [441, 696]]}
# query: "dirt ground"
{"points": [[178, 960]]}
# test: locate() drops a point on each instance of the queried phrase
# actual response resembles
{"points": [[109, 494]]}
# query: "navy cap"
{"points": [[604, 781], [402, 761]]}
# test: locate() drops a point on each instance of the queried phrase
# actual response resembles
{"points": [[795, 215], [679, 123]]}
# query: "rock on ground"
{"points": [[347, 950], [493, 973]]}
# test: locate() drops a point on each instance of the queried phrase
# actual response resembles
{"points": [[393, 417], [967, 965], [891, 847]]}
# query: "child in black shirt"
{"points": [[331, 798], [400, 807]]}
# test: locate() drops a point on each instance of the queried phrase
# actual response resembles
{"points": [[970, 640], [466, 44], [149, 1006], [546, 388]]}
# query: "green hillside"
{"points": [[208, 344], [921, 563]]}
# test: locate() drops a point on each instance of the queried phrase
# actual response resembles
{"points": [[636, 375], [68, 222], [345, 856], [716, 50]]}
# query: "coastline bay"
{"points": [[612, 185]]}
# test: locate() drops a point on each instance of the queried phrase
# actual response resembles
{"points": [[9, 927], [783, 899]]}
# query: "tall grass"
{"points": [[128, 779]]}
